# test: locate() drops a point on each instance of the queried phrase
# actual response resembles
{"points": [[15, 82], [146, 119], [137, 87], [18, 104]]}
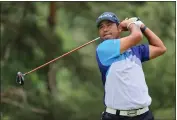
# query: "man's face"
{"points": [[108, 30]]}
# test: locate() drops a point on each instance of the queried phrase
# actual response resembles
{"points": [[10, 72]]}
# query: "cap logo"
{"points": [[105, 15]]}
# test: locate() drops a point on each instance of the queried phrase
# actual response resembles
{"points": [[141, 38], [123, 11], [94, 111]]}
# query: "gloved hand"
{"points": [[137, 21], [126, 23]]}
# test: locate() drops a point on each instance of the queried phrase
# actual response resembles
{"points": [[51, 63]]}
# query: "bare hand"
{"points": [[123, 25]]}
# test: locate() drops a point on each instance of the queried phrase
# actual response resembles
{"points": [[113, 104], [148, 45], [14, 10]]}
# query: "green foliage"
{"points": [[71, 88]]}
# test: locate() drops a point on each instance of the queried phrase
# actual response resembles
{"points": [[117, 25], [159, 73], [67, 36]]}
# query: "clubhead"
{"points": [[20, 78]]}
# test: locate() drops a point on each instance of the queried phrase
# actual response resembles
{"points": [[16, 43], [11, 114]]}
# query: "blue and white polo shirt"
{"points": [[122, 75]]}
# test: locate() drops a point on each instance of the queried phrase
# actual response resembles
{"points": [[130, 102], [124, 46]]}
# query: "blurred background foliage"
{"points": [[33, 33]]}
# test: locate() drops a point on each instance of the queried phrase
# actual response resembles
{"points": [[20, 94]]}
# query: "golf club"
{"points": [[20, 77]]}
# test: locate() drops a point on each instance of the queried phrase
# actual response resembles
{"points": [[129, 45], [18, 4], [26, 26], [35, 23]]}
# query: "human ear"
{"points": [[119, 29]]}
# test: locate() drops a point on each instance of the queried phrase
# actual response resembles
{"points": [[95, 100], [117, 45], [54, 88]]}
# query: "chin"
{"points": [[106, 38]]}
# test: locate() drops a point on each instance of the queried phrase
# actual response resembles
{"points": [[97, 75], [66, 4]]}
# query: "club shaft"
{"points": [[62, 55]]}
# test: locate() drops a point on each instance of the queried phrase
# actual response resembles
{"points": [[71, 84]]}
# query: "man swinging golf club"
{"points": [[119, 60], [120, 63]]}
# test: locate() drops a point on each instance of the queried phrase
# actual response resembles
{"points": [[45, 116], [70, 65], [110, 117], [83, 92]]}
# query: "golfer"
{"points": [[120, 63]]}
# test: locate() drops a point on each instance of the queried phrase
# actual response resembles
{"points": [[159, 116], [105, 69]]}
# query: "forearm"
{"points": [[135, 33], [134, 38], [156, 47], [152, 38]]}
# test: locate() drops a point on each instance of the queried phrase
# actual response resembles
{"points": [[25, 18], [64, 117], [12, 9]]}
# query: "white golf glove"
{"points": [[136, 20]]}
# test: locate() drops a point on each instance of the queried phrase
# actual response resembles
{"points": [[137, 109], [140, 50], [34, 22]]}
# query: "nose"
{"points": [[105, 28]]}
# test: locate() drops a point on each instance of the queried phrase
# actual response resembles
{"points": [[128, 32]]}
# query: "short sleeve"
{"points": [[108, 51], [142, 51]]}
